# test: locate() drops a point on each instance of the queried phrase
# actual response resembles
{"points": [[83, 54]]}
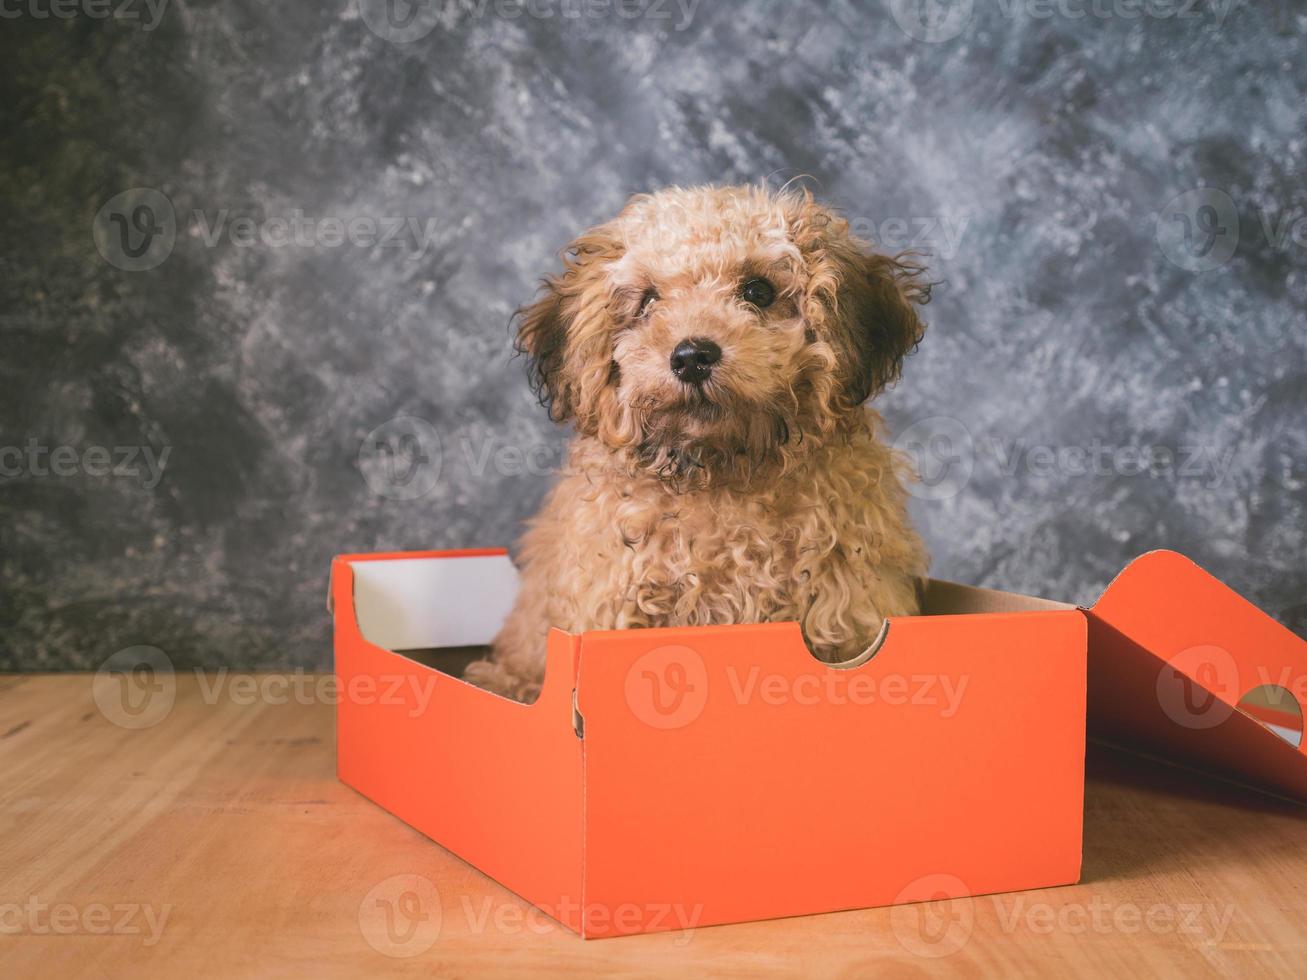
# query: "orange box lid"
{"points": [[1177, 660]]}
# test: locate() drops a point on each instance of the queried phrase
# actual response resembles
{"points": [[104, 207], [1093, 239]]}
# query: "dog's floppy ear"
{"points": [[542, 337], [878, 299], [565, 332]]}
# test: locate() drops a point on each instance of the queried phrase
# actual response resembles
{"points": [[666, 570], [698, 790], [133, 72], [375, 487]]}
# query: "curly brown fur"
{"points": [[763, 493]]}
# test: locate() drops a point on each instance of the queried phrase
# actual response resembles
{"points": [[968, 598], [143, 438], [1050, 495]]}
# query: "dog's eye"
{"points": [[647, 300], [758, 292]]}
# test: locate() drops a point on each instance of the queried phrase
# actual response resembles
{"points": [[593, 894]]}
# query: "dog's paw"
{"points": [[495, 678]]}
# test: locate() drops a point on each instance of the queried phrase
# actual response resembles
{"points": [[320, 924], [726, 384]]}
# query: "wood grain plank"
{"points": [[218, 842]]}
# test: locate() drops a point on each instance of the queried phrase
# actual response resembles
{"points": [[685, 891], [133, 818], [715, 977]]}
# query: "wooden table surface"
{"points": [[215, 841]]}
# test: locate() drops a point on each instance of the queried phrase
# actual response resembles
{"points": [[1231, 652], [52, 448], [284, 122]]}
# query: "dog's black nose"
{"points": [[693, 359]]}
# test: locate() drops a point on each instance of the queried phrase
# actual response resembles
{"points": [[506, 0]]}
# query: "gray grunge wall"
{"points": [[241, 240]]}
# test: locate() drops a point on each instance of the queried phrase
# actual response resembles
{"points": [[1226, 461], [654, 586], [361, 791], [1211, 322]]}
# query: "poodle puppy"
{"points": [[713, 348]]}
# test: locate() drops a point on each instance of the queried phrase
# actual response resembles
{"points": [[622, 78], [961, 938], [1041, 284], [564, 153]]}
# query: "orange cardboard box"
{"points": [[675, 777]]}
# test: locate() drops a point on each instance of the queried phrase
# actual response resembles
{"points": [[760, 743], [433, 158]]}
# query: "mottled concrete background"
{"points": [[1089, 323]]}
